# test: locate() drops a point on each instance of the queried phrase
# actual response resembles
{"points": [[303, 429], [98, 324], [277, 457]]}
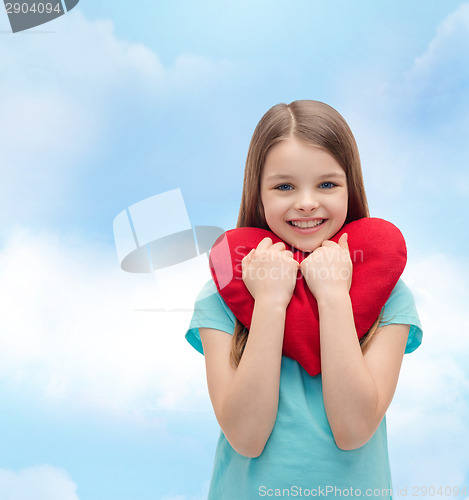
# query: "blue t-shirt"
{"points": [[301, 457]]}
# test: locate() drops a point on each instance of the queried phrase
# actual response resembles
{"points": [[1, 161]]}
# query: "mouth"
{"points": [[306, 224]]}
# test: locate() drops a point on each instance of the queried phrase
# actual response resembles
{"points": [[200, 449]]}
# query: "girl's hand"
{"points": [[270, 272], [328, 270]]}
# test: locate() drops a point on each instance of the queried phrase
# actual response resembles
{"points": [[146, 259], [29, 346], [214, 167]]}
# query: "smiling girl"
{"points": [[283, 430]]}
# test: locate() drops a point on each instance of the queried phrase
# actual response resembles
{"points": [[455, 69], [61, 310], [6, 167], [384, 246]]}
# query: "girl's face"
{"points": [[304, 194]]}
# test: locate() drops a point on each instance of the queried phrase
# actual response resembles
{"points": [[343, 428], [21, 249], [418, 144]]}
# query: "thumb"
{"points": [[343, 241], [249, 255]]}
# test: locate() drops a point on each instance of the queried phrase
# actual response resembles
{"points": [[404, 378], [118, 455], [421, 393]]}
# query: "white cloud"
{"points": [[412, 124], [41, 483], [444, 65], [428, 418], [72, 328], [200, 496], [66, 94], [435, 92], [84, 58]]}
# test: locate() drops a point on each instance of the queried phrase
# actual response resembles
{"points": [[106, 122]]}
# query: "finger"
{"points": [[264, 244], [311, 258], [248, 256], [278, 246], [343, 241]]}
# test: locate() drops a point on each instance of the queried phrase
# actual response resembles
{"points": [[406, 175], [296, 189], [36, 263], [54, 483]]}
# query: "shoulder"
{"points": [[401, 292], [210, 311], [210, 301], [400, 308]]}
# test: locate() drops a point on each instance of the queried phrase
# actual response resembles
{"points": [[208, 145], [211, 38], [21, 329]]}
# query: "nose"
{"points": [[306, 202]]}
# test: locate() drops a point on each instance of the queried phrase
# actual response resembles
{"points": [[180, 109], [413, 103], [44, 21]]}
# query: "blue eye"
{"points": [[281, 186], [327, 185]]}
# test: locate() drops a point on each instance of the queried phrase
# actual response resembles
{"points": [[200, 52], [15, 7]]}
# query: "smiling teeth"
{"points": [[312, 223]]}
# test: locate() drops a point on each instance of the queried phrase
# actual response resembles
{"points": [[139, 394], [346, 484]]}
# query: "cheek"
{"points": [[275, 214], [268, 204], [264, 203], [342, 204]]}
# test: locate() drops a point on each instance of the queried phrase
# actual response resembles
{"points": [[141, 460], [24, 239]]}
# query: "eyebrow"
{"points": [[334, 175]]}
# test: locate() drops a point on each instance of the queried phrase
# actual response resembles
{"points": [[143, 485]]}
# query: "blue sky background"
{"points": [[113, 103]]}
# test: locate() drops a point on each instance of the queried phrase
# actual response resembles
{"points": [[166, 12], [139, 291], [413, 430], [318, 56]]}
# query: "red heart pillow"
{"points": [[378, 252]]}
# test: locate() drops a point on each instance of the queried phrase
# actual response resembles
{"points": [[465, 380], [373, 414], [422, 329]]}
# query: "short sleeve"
{"points": [[400, 309], [210, 311]]}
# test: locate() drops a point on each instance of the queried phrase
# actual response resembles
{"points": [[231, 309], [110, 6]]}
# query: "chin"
{"points": [[305, 248]]}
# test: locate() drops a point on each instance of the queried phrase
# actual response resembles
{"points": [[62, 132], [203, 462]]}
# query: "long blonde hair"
{"points": [[315, 123]]}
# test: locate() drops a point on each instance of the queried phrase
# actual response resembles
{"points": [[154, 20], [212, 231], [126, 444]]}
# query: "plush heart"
{"points": [[378, 253]]}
